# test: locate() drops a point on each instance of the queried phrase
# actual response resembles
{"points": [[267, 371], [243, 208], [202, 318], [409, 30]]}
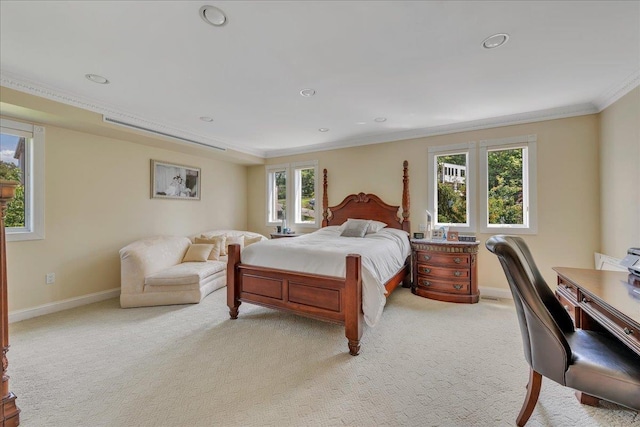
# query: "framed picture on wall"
{"points": [[171, 181]]}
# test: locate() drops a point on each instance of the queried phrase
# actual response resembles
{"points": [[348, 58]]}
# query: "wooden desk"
{"points": [[602, 300]]}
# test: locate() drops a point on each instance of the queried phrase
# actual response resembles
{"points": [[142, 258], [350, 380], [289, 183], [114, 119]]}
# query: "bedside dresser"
{"points": [[283, 235], [445, 271]]}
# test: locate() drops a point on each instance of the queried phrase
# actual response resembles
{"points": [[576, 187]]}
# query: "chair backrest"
{"points": [[543, 320]]}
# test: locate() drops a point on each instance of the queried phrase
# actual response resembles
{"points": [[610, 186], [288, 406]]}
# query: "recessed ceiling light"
{"points": [[323, 130], [97, 79], [361, 123], [206, 119], [495, 40], [380, 119], [307, 92], [212, 15]]}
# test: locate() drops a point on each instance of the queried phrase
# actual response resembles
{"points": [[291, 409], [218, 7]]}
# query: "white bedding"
{"points": [[324, 251]]}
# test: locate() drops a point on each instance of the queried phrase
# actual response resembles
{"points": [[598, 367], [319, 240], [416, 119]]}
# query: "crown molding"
{"points": [[618, 91], [513, 119], [11, 81]]}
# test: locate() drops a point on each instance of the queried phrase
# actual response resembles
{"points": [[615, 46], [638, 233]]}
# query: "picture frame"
{"points": [[174, 181], [452, 236], [437, 234], [418, 235]]}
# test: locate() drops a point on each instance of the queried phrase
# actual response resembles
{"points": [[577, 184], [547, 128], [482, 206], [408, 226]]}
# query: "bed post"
{"points": [[233, 280], [353, 318], [406, 199], [325, 200]]}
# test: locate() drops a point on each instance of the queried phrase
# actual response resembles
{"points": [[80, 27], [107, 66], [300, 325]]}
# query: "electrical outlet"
{"points": [[423, 227], [50, 278]]}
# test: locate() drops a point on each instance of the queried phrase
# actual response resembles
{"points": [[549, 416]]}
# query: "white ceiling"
{"points": [[418, 64]]}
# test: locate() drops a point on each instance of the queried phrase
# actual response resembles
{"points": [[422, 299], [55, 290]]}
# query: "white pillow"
{"points": [[350, 220], [355, 228], [375, 226]]}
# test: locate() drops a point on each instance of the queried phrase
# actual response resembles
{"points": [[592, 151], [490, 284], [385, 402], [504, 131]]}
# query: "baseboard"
{"points": [[495, 293], [28, 313]]}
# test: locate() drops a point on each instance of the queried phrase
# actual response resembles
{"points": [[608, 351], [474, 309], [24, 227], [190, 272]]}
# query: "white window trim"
{"points": [[268, 191], [34, 203], [470, 149], [530, 188], [294, 190], [291, 188]]}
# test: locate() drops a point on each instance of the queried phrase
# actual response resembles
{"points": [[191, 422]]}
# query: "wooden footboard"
{"points": [[327, 298]]}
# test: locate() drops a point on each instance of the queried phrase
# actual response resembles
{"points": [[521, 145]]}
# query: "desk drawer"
{"points": [[568, 303], [570, 291], [623, 330]]}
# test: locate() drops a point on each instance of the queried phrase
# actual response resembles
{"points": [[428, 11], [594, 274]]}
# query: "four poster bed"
{"points": [[329, 286]]}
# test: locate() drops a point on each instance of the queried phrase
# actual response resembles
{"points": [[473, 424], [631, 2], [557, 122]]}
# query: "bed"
{"points": [[335, 293]]}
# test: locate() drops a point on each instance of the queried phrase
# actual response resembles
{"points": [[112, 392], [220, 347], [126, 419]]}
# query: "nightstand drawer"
{"points": [[456, 287], [461, 273], [463, 260]]}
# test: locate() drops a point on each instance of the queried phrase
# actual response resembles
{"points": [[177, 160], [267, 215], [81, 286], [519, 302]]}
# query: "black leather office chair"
{"points": [[588, 361]]}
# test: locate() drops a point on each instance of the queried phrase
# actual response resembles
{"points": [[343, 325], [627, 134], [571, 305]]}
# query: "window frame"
{"points": [[297, 196], [468, 148], [292, 191], [270, 171], [529, 184], [34, 182]]}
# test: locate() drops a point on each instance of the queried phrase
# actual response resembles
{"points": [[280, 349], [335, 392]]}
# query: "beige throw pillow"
{"points": [[223, 242], [197, 253], [218, 244]]}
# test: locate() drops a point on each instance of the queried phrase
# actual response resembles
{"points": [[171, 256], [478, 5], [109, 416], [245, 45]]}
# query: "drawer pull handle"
{"points": [[584, 300], [458, 287], [457, 274], [426, 257], [457, 260], [425, 270], [567, 286], [425, 282], [628, 331]]}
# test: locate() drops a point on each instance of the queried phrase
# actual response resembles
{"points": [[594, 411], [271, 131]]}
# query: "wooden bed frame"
{"points": [[327, 298]]}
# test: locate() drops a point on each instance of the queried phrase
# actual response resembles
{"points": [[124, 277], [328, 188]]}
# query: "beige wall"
{"points": [[568, 181], [97, 198], [97, 201], [620, 175]]}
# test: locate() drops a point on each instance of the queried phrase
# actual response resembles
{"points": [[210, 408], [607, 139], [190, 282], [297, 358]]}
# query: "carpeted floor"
{"points": [[427, 363]]}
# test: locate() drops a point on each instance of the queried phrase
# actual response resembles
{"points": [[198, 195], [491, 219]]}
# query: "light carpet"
{"points": [[427, 363]]}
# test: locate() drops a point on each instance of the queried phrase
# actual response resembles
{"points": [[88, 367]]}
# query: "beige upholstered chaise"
{"points": [[152, 271]]}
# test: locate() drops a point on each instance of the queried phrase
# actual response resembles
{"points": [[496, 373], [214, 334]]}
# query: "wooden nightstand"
{"points": [[446, 271], [282, 235]]}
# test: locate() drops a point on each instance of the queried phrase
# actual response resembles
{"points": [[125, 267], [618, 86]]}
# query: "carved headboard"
{"points": [[368, 206]]}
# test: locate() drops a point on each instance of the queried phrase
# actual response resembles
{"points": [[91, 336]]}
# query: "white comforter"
{"points": [[324, 251]]}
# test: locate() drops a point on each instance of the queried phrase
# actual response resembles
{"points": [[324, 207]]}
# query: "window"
{"points": [[22, 160], [305, 195], [506, 185], [452, 186], [293, 200], [276, 193]]}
